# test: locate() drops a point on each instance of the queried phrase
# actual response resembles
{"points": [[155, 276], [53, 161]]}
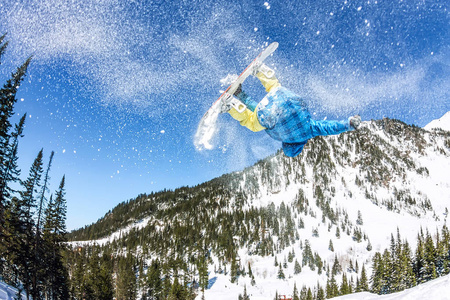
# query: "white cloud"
{"points": [[119, 57]]}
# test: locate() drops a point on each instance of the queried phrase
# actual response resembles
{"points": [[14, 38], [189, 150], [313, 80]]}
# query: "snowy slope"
{"points": [[438, 289], [8, 292], [379, 221], [442, 123], [377, 172]]}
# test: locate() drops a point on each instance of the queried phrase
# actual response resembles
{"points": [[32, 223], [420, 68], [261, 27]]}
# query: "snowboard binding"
{"points": [[229, 101]]}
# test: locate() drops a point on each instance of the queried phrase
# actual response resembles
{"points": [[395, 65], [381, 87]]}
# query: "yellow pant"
{"points": [[249, 118]]}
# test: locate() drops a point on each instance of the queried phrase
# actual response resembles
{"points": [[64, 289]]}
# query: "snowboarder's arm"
{"points": [[247, 119]]}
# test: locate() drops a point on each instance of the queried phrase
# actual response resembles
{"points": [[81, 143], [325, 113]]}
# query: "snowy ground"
{"points": [[7, 292], [438, 289]]}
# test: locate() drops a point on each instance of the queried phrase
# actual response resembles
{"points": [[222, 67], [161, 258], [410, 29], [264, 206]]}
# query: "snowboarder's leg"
{"points": [[267, 77], [325, 127], [247, 119]]}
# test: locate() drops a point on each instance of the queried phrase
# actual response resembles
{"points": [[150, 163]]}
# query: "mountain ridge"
{"points": [[235, 181], [353, 191]]}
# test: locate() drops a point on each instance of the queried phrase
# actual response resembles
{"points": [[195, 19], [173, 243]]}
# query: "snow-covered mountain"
{"points": [[353, 191], [442, 123]]}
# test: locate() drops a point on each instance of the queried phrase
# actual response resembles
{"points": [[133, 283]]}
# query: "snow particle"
{"points": [[267, 5]]}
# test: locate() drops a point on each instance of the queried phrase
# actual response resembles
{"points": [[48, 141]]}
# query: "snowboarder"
{"points": [[284, 115]]}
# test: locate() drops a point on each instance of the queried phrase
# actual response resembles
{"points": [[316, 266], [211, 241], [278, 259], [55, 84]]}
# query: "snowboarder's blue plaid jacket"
{"points": [[286, 119]]}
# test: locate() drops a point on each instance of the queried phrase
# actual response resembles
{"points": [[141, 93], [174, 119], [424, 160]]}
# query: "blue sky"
{"points": [[116, 89]]}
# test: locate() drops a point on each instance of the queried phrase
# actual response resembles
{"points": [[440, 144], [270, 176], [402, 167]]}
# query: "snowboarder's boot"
{"points": [[229, 102], [263, 68], [355, 121], [267, 77]]}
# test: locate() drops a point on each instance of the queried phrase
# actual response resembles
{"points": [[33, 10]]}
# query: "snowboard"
{"points": [[206, 127]]}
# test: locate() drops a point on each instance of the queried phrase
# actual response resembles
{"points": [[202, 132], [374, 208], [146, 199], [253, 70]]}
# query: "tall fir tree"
{"points": [[430, 258], [295, 292], [11, 171], [126, 278], [363, 282], [54, 231], [154, 281], [7, 101]]}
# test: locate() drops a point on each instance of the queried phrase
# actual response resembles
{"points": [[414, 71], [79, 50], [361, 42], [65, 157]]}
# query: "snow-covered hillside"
{"points": [[438, 289], [442, 123], [422, 177], [354, 191], [8, 292]]}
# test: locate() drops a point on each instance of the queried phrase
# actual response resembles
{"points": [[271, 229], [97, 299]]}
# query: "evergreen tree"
{"points": [[77, 282], [291, 256], [338, 232], [126, 278], [430, 258], [104, 279], [363, 282], [7, 102], [330, 246], [295, 292], [378, 281], [8, 146], [387, 261], [280, 273], [345, 288], [369, 246], [320, 293], [408, 279], [56, 276], [332, 287], [154, 281], [309, 295], [336, 269], [359, 220], [29, 266], [444, 252], [420, 262], [177, 291], [297, 268], [10, 171], [203, 272]]}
